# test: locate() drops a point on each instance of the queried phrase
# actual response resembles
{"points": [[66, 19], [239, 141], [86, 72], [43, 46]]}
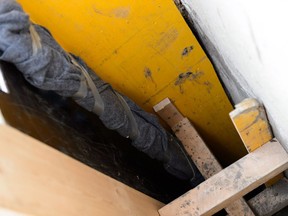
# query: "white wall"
{"points": [[248, 42]]}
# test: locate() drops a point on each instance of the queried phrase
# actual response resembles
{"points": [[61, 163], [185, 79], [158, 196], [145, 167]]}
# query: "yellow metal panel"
{"points": [[141, 48]]}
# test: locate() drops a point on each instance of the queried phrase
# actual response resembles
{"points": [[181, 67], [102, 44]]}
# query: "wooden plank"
{"points": [[231, 183], [197, 150], [2, 120], [146, 51], [271, 200], [251, 123], [8, 212], [168, 112], [38, 180]]}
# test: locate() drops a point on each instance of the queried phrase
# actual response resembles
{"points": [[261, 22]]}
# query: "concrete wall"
{"points": [[248, 43]]}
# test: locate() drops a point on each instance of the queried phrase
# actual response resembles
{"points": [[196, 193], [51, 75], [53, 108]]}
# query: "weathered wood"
{"points": [[271, 200], [231, 183], [168, 112], [197, 150], [251, 123], [38, 180]]}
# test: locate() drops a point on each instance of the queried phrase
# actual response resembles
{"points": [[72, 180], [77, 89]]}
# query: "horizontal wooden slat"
{"points": [[197, 150], [231, 183], [38, 180]]}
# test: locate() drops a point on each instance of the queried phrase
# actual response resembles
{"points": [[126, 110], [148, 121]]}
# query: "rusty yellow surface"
{"points": [[251, 122], [146, 51]]}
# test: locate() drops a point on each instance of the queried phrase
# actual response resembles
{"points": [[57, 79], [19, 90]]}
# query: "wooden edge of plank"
{"points": [[251, 123], [168, 112], [246, 104], [161, 105], [206, 161], [37, 179], [197, 150], [274, 180], [231, 183]]}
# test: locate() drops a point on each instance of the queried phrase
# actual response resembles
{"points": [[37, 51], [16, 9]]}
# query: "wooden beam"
{"points": [[231, 183], [9, 212], [197, 150], [168, 112], [38, 180], [251, 123]]}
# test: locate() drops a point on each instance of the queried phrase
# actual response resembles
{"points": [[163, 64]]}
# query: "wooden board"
{"points": [[38, 180], [251, 123], [197, 150], [146, 51], [231, 183]]}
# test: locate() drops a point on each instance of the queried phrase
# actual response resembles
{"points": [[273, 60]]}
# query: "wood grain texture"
{"points": [[197, 150], [38, 180], [231, 183]]}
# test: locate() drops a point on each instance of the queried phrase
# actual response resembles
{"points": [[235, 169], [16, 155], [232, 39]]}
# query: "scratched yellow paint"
{"points": [[251, 122], [141, 48]]}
